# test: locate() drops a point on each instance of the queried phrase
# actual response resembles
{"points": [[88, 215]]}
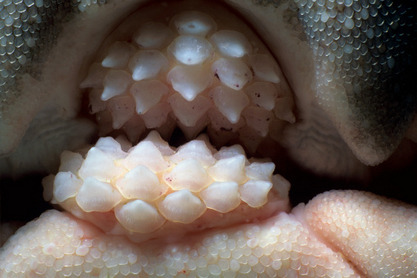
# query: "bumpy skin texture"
{"points": [[15, 127]]}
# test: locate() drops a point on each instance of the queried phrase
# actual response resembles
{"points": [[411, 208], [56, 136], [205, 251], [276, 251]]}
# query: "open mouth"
{"points": [[183, 69]]}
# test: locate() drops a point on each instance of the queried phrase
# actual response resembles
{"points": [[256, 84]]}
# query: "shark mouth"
{"points": [[194, 115]]}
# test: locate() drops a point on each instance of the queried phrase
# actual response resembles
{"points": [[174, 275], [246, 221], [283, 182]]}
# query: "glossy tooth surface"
{"points": [[152, 190], [201, 70]]}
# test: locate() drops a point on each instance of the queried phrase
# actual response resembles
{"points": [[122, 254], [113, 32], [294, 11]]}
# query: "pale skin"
{"points": [[57, 78]]}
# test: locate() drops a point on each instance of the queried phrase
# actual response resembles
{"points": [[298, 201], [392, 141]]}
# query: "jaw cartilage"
{"points": [[152, 190], [191, 69]]}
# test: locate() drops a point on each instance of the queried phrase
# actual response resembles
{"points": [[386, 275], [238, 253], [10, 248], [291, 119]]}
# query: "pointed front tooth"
{"points": [[95, 77], [157, 116], [146, 154], [95, 195], [181, 206], [191, 50], [262, 94], [258, 119], [231, 43], [265, 68], [146, 64], [221, 196], [193, 23], [189, 81], [189, 112], [66, 185], [260, 170], [141, 183], [115, 83], [139, 216], [118, 55], [188, 174], [229, 169], [229, 102], [122, 109], [147, 94], [255, 193], [153, 35], [232, 72], [284, 109]]}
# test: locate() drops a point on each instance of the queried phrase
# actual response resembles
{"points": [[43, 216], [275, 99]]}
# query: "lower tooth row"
{"points": [[192, 71], [151, 184]]}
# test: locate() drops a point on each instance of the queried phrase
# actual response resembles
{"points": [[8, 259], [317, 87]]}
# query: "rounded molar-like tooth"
{"points": [[70, 162], [193, 23], [255, 193], [153, 35], [189, 81], [141, 183], [146, 64], [146, 154], [258, 119], [99, 165], [159, 143], [191, 50], [181, 206], [229, 102], [66, 185], [232, 72], [195, 149], [262, 94], [111, 147], [122, 108], [231, 43], [139, 216], [265, 67], [188, 174], [95, 195], [221, 196], [189, 112], [281, 185], [147, 94], [260, 170], [229, 152], [118, 55], [229, 169], [115, 83]]}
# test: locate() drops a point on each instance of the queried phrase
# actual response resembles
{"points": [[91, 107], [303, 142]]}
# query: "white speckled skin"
{"points": [[337, 234]]}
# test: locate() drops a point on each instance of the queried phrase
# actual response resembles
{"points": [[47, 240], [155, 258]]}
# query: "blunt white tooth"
{"points": [[229, 102], [265, 68], [260, 170], [221, 196], [122, 109], [115, 83], [181, 206], [147, 94], [66, 185], [194, 23], [146, 154], [111, 147], [191, 50], [118, 55], [159, 143], [188, 174], [195, 149], [189, 81], [95, 195], [141, 183], [262, 94], [139, 216], [70, 162], [153, 35], [281, 185], [229, 152], [255, 193], [231, 43], [229, 169], [189, 112], [232, 73], [147, 64]]}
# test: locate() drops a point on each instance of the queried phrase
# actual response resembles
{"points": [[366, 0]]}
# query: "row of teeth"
{"points": [[192, 75], [151, 183]]}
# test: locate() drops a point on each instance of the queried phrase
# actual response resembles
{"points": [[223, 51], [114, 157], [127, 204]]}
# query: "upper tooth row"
{"points": [[151, 183], [186, 65]]}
